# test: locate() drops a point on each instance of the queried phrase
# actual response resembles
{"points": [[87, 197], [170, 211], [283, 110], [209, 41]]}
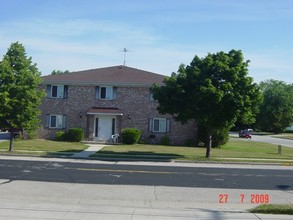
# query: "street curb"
{"points": [[151, 158]]}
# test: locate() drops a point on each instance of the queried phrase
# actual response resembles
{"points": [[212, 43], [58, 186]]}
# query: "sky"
{"points": [[159, 35]]}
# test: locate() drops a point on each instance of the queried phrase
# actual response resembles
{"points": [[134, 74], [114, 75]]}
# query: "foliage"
{"points": [[130, 135], [74, 135], [60, 136], [285, 209], [20, 95], [30, 134], [215, 91], [190, 142], [276, 112], [58, 72], [220, 135], [165, 140]]}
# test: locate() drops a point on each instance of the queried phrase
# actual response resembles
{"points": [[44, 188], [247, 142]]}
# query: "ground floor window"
{"points": [[160, 125], [56, 121]]}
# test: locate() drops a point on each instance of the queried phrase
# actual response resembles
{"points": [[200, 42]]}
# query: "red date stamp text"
{"points": [[251, 198]]}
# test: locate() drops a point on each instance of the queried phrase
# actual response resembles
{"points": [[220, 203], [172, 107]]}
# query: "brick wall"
{"points": [[134, 102]]}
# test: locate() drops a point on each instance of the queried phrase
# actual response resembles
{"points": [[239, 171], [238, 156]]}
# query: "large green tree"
{"points": [[276, 112], [215, 91], [20, 95]]}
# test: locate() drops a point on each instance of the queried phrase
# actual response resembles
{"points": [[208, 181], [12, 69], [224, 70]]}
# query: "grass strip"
{"points": [[42, 147], [246, 150], [286, 209]]}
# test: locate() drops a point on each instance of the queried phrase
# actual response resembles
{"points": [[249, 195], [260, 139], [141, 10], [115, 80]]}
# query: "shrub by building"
{"points": [[73, 135], [130, 135]]}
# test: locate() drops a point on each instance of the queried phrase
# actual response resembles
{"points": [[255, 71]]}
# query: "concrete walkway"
{"points": [[93, 148]]}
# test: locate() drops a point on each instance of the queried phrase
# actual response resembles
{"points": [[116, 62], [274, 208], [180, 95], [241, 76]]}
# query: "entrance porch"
{"points": [[102, 123]]}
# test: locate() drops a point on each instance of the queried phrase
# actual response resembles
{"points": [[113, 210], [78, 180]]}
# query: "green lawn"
{"points": [[246, 150], [286, 209], [42, 147], [234, 149], [284, 135]]}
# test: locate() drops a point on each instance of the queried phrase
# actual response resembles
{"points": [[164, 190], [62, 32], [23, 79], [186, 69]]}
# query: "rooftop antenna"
{"points": [[125, 51]]}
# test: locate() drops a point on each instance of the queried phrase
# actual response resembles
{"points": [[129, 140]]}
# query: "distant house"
{"points": [[106, 100]]}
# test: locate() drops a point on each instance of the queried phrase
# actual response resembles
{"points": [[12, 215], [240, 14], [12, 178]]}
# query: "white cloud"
{"points": [[271, 65]]}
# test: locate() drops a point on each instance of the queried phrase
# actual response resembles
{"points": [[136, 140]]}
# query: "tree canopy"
{"points": [[276, 112], [20, 95], [58, 72], [215, 91]]}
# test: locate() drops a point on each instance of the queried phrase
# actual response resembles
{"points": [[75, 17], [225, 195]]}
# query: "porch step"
{"points": [[94, 142], [99, 142]]}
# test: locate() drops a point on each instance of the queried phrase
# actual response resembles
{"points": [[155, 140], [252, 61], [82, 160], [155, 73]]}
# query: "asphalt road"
{"points": [[266, 139], [55, 188], [272, 140], [116, 174]]}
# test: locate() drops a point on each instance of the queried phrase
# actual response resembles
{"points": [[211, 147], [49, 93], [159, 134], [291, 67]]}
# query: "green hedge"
{"points": [[60, 136], [72, 135], [130, 135], [75, 135]]}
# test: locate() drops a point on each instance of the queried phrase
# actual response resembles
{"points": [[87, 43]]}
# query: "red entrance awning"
{"points": [[105, 111]]}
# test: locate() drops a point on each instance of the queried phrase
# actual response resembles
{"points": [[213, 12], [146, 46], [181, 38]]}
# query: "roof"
{"points": [[116, 75], [107, 111]]}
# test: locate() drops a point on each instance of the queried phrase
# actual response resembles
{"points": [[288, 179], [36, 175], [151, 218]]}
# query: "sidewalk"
{"points": [[123, 202], [93, 148]]}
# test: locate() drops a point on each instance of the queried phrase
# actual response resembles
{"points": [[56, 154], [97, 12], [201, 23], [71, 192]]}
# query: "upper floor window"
{"points": [[151, 97], [106, 92], [57, 91]]}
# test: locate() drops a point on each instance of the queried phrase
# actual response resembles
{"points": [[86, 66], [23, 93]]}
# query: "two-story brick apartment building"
{"points": [[106, 100]]}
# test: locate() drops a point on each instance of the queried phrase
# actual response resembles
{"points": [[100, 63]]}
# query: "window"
{"points": [[113, 126], [161, 125], [151, 97], [106, 92], [57, 91], [56, 121]]}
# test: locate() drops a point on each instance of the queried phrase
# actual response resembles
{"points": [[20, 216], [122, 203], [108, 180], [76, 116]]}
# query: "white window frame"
{"points": [[162, 125], [151, 97], [59, 121], [60, 91], [109, 92]]}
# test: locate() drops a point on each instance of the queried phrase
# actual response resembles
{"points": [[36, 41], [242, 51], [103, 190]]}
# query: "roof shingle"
{"points": [[116, 75]]}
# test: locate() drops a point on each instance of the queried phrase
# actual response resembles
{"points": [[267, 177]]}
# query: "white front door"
{"points": [[104, 127]]}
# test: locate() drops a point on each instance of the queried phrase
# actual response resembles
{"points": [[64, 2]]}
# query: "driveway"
{"points": [[268, 139]]}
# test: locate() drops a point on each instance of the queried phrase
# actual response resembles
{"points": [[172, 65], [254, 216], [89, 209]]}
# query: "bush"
{"points": [[190, 142], [165, 141], [219, 136], [74, 135], [31, 134], [130, 135], [60, 136]]}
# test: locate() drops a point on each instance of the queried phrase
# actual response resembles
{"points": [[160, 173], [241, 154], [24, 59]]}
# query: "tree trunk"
{"points": [[209, 144], [11, 144]]}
